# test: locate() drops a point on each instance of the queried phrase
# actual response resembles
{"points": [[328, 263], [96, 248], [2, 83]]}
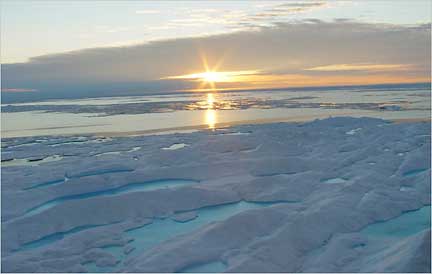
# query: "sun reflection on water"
{"points": [[210, 100], [210, 114], [210, 117]]}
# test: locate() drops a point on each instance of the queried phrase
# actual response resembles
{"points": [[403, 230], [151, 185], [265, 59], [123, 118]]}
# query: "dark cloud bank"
{"points": [[284, 48]]}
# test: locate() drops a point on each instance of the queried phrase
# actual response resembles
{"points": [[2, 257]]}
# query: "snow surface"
{"points": [[285, 197]]}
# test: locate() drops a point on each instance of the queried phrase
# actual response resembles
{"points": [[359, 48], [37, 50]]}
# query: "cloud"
{"points": [[224, 76], [306, 48], [296, 7], [147, 11], [234, 20], [17, 90], [362, 67], [108, 29], [287, 9], [230, 19]]}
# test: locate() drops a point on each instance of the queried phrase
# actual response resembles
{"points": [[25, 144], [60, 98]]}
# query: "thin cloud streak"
{"points": [[229, 76], [362, 67], [287, 9], [147, 11]]}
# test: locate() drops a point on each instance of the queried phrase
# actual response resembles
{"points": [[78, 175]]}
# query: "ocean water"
{"points": [[191, 111]]}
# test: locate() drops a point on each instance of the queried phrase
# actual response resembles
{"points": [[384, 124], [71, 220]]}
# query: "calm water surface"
{"points": [[185, 112]]}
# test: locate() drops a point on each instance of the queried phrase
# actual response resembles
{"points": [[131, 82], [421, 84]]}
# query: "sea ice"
{"points": [[175, 147], [285, 197]]}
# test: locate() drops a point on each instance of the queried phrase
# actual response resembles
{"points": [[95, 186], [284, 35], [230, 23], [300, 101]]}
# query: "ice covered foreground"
{"points": [[334, 195]]}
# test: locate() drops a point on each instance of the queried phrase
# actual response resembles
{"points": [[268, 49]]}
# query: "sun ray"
{"points": [[211, 76], [221, 60], [203, 58]]}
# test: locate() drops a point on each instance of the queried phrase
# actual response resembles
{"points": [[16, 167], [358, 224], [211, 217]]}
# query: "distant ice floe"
{"points": [[33, 161], [406, 188], [226, 102], [80, 141], [118, 152], [353, 131], [234, 133], [175, 146], [301, 197], [334, 181], [392, 107]]}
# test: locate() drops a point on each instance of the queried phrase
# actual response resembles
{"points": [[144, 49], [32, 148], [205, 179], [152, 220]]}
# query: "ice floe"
{"points": [[285, 197], [175, 146]]}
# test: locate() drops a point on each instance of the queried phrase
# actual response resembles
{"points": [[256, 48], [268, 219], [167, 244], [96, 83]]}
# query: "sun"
{"points": [[210, 76], [213, 77]]}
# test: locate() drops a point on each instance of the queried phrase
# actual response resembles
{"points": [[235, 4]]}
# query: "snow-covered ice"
{"points": [[175, 146], [333, 195]]}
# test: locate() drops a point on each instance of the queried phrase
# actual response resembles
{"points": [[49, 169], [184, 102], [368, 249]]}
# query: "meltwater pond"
{"points": [[213, 267], [128, 188], [160, 230], [407, 224], [414, 172]]}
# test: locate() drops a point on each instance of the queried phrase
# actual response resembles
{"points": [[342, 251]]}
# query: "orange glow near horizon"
{"points": [[212, 79], [299, 80]]}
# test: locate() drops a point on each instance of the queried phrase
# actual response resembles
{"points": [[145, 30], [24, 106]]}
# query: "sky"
{"points": [[117, 47]]}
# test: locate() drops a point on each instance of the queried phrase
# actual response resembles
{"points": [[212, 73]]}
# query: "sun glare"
{"points": [[212, 76]]}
